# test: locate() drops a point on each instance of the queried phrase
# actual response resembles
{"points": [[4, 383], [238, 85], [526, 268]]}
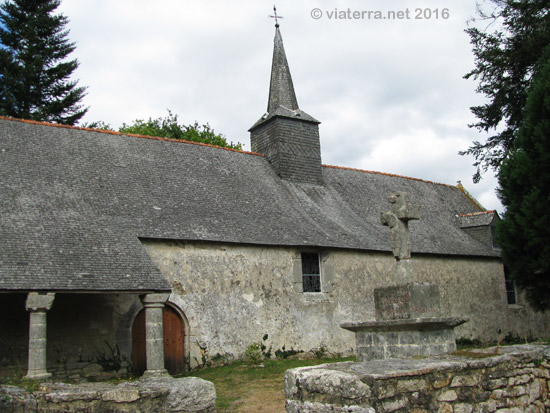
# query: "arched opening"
{"points": [[174, 342]]}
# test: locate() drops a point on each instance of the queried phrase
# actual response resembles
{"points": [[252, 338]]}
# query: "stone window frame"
{"points": [[510, 289], [326, 269]]}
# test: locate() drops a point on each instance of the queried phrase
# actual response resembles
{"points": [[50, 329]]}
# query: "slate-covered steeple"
{"points": [[286, 135], [281, 88]]}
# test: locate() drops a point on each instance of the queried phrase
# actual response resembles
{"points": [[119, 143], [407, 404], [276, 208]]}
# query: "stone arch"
{"points": [[176, 342]]}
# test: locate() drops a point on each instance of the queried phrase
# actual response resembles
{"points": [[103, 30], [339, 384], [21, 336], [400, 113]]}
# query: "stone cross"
{"points": [[398, 220]]}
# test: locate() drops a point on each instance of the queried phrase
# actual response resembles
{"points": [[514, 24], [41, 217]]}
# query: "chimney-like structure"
{"points": [[286, 135]]}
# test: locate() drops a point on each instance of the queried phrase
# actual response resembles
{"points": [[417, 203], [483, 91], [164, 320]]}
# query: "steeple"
{"points": [[281, 88], [285, 134]]}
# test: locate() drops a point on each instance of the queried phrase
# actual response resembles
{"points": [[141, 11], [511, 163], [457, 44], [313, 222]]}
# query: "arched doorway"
{"points": [[174, 342]]}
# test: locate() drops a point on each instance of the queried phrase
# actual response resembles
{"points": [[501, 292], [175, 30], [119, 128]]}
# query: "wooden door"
{"points": [[139, 363], [174, 342]]}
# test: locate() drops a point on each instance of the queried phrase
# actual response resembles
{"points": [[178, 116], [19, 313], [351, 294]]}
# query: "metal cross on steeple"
{"points": [[275, 16]]}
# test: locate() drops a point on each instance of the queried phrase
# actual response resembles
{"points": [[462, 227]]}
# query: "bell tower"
{"points": [[285, 134]]}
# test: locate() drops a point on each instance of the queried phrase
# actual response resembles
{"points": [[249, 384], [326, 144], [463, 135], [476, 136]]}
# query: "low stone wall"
{"points": [[161, 394], [516, 380]]}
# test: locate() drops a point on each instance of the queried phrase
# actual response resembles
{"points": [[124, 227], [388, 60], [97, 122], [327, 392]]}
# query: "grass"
{"points": [[248, 388]]}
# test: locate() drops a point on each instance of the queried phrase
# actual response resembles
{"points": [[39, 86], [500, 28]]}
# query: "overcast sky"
{"points": [[389, 92]]}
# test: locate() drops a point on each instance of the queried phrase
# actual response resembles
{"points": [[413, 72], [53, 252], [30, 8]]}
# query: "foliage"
{"points": [[321, 352], [505, 60], [30, 385], [253, 353], [284, 354], [110, 359], [169, 127], [98, 125], [34, 81], [524, 178]]}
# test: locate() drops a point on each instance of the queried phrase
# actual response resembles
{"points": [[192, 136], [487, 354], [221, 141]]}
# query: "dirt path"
{"points": [[264, 396]]}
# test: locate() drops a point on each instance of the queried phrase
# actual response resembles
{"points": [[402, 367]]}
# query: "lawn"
{"points": [[254, 388]]}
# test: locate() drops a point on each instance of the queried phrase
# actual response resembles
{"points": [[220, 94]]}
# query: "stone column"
{"points": [[154, 333], [37, 304]]}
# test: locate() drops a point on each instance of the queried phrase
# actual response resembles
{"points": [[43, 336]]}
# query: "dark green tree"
{"points": [[35, 75], [524, 178], [507, 48], [169, 127]]}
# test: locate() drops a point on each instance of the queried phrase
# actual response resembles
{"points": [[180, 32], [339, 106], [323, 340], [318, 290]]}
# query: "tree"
{"points": [[34, 81], [170, 128], [505, 61], [524, 178]]}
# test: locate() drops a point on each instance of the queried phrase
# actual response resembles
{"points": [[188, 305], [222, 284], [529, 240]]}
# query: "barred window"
{"points": [[311, 273]]}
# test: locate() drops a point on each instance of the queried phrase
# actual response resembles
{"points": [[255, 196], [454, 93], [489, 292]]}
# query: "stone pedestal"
{"points": [[408, 323], [154, 333], [382, 340], [37, 305]]}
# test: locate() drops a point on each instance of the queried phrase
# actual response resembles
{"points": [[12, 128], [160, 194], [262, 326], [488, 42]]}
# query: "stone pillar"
{"points": [[37, 304], [154, 333]]}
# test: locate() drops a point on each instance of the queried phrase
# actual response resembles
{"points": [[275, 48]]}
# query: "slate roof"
{"points": [[74, 204], [477, 219]]}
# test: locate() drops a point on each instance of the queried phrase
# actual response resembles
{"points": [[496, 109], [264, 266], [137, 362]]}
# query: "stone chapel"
{"points": [[135, 254]]}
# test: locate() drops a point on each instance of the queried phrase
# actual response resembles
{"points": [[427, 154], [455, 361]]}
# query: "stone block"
{"points": [[411, 385], [441, 381], [447, 396], [364, 338], [121, 395], [445, 408], [463, 408], [514, 381], [368, 353], [38, 301], [464, 381], [406, 301], [393, 405]]}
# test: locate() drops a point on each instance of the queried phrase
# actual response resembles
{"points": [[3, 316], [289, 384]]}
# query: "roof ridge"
{"points": [[471, 214], [132, 135], [389, 174]]}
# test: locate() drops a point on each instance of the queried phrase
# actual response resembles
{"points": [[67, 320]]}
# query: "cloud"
{"points": [[389, 93]]}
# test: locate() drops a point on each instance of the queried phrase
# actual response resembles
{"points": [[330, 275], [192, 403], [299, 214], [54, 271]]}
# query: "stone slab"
{"points": [[411, 300], [431, 323]]}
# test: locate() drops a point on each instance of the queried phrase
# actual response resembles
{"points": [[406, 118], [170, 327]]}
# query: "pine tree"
{"points": [[506, 49], [34, 75], [524, 178]]}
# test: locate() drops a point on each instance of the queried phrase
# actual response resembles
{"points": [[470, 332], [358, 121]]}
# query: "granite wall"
{"points": [[516, 379], [234, 295]]}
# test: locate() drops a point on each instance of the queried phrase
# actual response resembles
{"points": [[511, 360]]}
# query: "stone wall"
{"points": [[233, 295], [162, 394], [517, 380]]}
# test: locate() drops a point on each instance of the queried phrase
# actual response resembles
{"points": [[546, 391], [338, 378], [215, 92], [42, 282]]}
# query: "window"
{"points": [[311, 272], [494, 236], [511, 295]]}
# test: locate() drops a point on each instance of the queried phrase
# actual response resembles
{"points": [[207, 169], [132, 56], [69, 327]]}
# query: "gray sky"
{"points": [[389, 92]]}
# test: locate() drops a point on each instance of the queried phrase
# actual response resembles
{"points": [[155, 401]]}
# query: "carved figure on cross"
{"points": [[397, 218]]}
